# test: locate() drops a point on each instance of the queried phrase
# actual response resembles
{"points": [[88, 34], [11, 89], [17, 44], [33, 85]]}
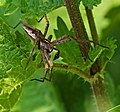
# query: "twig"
{"points": [[78, 25]]}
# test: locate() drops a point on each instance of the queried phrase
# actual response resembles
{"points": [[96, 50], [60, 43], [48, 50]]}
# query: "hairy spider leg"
{"points": [[61, 40], [20, 22], [57, 55], [79, 41], [66, 38], [31, 52], [40, 19], [47, 26], [58, 41], [49, 61], [51, 68], [87, 41], [44, 55], [49, 38]]}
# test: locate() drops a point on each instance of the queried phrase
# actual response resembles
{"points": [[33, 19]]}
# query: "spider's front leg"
{"points": [[47, 24]]}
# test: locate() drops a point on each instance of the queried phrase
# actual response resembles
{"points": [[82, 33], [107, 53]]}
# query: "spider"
{"points": [[44, 45]]}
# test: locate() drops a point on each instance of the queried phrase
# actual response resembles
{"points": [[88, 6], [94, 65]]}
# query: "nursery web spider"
{"points": [[44, 45]]}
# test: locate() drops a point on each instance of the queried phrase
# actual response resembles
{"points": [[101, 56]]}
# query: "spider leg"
{"points": [[47, 55], [31, 52], [66, 38], [88, 41], [99, 44], [46, 67], [44, 76], [62, 39], [20, 22], [49, 37], [46, 70], [51, 68], [40, 19], [47, 58], [83, 42], [47, 26]]}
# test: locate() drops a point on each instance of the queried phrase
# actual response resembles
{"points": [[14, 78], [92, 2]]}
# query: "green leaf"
{"points": [[62, 26], [94, 54], [66, 83], [91, 3], [13, 52], [40, 7], [31, 8], [69, 51], [10, 94], [110, 86], [112, 46], [12, 86], [53, 96], [2, 2], [11, 8], [114, 109], [111, 12], [40, 97], [108, 53]]}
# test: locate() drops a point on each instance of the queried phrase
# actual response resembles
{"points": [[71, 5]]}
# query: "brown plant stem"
{"points": [[78, 26], [101, 96], [98, 86]]}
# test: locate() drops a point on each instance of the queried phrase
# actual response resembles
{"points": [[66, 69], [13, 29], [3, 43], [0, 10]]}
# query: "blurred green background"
{"points": [[68, 92]]}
